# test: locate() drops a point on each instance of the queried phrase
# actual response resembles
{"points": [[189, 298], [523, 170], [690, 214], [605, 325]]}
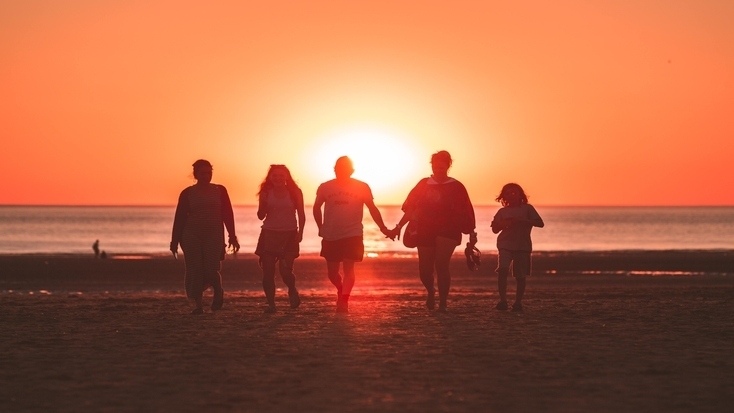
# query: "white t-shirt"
{"points": [[343, 207], [281, 213]]}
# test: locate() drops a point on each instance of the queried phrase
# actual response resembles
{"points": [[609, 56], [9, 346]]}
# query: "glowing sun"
{"points": [[386, 161]]}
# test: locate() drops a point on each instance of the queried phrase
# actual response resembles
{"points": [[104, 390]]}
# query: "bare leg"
{"points": [[334, 276], [198, 305], [218, 299], [520, 289], [342, 303], [444, 249], [286, 273], [426, 263], [348, 281], [194, 279], [268, 266], [502, 285]]}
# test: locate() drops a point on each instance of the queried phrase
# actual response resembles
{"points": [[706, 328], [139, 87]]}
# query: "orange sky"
{"points": [[581, 102]]}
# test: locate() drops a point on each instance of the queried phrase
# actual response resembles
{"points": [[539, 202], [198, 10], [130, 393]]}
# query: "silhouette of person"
{"points": [[340, 226], [440, 209], [513, 222], [281, 208], [203, 210], [95, 248]]}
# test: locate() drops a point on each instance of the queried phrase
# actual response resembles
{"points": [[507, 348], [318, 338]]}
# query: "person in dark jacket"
{"points": [[440, 211], [203, 211]]}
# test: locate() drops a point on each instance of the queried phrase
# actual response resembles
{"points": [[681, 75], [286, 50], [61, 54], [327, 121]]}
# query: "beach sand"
{"points": [[602, 332]]}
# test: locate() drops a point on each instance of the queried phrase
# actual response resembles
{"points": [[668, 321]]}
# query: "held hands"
{"points": [[396, 231], [389, 233]]}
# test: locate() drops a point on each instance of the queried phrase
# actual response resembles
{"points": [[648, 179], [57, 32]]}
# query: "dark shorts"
{"points": [[519, 260], [345, 249], [281, 244]]}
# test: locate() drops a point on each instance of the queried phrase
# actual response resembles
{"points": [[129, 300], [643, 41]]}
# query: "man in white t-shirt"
{"points": [[340, 226]]}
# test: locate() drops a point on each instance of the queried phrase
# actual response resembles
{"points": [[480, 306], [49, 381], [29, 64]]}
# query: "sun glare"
{"points": [[383, 159]]}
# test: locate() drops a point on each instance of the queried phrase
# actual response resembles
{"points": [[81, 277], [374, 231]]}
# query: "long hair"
{"points": [[502, 197], [290, 184]]}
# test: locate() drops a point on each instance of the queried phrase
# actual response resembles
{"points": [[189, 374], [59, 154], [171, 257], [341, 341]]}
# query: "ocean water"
{"points": [[147, 229]]}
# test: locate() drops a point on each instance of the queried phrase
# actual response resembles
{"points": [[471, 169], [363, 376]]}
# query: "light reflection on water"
{"points": [[132, 231]]}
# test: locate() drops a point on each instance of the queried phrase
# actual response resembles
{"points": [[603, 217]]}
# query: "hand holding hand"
{"points": [[388, 233], [396, 230]]}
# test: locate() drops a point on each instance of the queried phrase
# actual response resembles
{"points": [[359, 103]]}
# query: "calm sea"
{"points": [[147, 230]]}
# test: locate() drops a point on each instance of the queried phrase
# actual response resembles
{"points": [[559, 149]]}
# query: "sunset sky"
{"points": [[626, 102]]}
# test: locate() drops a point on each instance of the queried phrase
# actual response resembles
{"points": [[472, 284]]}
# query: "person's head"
{"points": [[343, 167], [441, 162], [203, 171], [512, 194], [278, 175]]}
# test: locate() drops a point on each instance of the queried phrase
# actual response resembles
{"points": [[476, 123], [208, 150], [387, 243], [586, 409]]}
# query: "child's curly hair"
{"points": [[502, 197]]}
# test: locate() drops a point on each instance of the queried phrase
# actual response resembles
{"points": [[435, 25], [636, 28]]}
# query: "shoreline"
{"points": [[116, 335], [74, 272]]}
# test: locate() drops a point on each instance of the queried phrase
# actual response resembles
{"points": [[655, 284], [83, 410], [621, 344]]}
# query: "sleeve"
{"points": [[468, 222], [299, 199], [319, 194], [227, 212], [533, 215], [411, 202], [179, 219], [368, 196]]}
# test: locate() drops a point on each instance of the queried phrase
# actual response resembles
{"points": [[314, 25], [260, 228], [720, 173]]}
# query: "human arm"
{"points": [[498, 223], [399, 226], [516, 216], [469, 221], [410, 205], [377, 217], [317, 214], [262, 205], [301, 215], [228, 219], [179, 222], [534, 218]]}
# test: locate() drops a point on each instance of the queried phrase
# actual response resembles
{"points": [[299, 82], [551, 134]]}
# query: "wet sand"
{"points": [[610, 332]]}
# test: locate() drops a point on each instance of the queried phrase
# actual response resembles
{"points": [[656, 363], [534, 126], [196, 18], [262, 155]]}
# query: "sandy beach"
{"points": [[603, 332]]}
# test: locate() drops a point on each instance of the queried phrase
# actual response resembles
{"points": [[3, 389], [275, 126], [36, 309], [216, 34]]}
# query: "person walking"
{"points": [[280, 207], [203, 211], [440, 211], [340, 226], [513, 222]]}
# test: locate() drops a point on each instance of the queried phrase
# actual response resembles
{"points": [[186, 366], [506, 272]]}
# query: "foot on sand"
{"points": [[517, 307], [218, 300], [197, 311], [502, 306], [269, 309], [294, 298], [342, 306]]}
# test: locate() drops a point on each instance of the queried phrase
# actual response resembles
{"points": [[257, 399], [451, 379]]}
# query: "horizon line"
{"points": [[397, 205]]}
